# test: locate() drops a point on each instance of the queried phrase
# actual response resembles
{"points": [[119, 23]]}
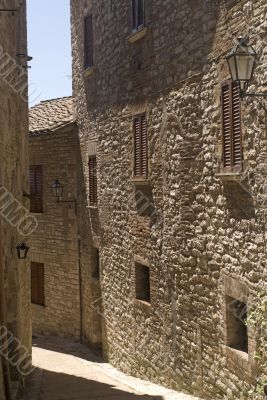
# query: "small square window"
{"points": [[142, 282], [236, 318]]}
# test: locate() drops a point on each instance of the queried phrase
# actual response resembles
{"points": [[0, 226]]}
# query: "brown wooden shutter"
{"points": [[41, 285], [93, 180], [37, 283], [236, 118], [88, 42], [36, 188], [231, 126], [143, 146], [34, 283], [137, 147], [140, 146]]}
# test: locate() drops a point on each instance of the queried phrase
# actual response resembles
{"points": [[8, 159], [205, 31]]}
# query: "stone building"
{"points": [[55, 274], [172, 221], [15, 221]]}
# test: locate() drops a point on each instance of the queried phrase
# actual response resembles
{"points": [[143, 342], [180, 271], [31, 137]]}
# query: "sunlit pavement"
{"points": [[69, 371]]}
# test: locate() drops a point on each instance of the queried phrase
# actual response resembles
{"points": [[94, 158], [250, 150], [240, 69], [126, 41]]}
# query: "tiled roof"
{"points": [[51, 115]]}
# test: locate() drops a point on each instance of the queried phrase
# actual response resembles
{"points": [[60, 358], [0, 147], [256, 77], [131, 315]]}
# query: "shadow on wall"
{"points": [[239, 201], [58, 386]]}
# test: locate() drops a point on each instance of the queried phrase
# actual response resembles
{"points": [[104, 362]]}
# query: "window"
{"points": [[36, 189], [92, 180], [140, 146], [237, 331], [231, 127], [88, 42], [95, 264], [142, 282], [138, 14], [37, 284]]}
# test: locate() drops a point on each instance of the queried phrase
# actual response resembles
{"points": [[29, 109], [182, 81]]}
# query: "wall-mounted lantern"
{"points": [[241, 62], [22, 251], [57, 190]]}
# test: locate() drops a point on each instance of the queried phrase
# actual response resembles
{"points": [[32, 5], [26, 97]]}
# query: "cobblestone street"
{"points": [[69, 371]]}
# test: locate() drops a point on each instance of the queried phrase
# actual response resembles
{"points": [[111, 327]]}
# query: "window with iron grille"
{"points": [[88, 42], [138, 15], [36, 189], [92, 180], [37, 284], [142, 282], [231, 127], [140, 146]]}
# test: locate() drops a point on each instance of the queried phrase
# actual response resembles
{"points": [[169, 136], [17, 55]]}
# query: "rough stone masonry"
{"points": [[14, 273], [205, 246]]}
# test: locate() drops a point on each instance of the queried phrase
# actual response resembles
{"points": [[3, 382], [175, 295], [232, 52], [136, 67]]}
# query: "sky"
{"points": [[49, 44]]}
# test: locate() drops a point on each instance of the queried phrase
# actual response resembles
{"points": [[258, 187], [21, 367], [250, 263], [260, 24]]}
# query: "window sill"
{"points": [[140, 181], [237, 354], [137, 35], [39, 305], [88, 71], [237, 176], [143, 303], [92, 207]]}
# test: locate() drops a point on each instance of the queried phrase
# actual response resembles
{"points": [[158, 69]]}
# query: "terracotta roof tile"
{"points": [[50, 115]]}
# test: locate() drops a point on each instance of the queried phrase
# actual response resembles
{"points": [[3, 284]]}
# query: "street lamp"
{"points": [[57, 190], [22, 251], [241, 62]]}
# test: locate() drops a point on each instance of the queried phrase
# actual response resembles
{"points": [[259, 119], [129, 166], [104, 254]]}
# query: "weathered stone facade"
{"points": [[14, 273], [54, 146], [204, 242]]}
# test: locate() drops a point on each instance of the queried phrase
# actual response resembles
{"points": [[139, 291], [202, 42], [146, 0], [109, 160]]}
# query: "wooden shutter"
{"points": [[34, 283], [88, 41], [140, 146], [138, 14], [36, 188], [231, 126], [93, 180], [37, 283]]}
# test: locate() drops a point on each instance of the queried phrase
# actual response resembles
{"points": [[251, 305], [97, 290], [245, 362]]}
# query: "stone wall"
{"points": [[204, 240], [55, 241], [15, 290]]}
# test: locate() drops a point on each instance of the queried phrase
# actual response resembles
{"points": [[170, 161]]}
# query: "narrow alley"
{"points": [[70, 371]]}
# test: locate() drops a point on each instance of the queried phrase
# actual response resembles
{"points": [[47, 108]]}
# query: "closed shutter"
{"points": [[37, 284], [34, 283], [36, 189], [231, 126], [140, 146], [88, 41], [93, 180], [236, 121], [41, 286], [138, 14]]}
